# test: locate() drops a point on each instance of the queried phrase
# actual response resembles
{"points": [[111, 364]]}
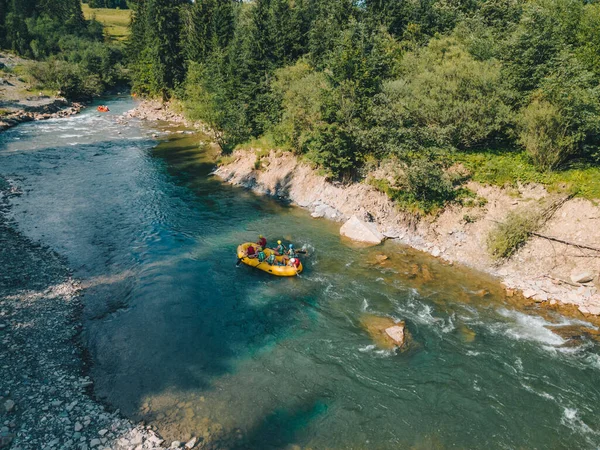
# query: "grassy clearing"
{"points": [[508, 169], [115, 21]]}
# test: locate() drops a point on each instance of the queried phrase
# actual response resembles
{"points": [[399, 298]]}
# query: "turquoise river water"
{"points": [[181, 338]]}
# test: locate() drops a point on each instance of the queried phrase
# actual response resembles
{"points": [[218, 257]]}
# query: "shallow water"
{"points": [[181, 338]]}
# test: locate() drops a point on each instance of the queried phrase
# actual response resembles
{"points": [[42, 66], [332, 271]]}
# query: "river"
{"points": [[181, 338]]}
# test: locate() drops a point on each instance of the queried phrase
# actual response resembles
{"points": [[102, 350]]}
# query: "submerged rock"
{"points": [[385, 331], [360, 231]]}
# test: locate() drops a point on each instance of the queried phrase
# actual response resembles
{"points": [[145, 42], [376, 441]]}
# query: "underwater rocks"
{"points": [[385, 332]]}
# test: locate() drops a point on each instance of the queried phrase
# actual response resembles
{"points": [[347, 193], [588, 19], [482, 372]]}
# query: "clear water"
{"points": [[182, 339]]}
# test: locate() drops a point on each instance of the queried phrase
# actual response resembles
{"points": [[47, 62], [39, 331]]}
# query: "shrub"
{"points": [[300, 91], [508, 236]]}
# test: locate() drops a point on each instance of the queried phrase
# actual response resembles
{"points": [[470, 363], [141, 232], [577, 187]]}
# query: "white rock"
{"points": [[396, 333], [436, 252], [78, 426], [95, 442], [358, 230], [581, 276], [190, 443], [103, 432], [594, 310], [175, 444], [528, 293]]}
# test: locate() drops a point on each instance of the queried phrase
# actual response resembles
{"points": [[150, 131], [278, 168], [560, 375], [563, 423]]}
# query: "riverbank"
{"points": [[545, 271], [20, 104], [45, 394]]}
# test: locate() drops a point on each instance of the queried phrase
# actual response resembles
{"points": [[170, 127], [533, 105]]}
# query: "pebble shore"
{"points": [[45, 395]]}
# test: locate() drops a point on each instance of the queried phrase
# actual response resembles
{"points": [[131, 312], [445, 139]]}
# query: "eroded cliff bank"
{"points": [[544, 270]]}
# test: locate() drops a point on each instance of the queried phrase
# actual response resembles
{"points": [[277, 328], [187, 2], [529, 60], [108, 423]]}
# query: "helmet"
{"points": [[260, 235], [279, 242], [291, 245], [292, 260]]}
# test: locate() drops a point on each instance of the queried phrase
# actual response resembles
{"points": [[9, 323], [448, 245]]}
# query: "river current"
{"points": [[181, 338]]}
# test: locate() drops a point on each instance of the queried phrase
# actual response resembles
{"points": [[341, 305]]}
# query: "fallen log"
{"points": [[562, 241]]}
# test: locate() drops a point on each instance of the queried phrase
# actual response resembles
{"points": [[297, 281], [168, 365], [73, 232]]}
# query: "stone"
{"points": [[510, 292], [595, 310], [360, 231], [528, 293], [191, 443], [103, 432], [578, 276], [175, 444], [396, 333], [78, 426], [9, 405], [381, 258], [436, 252], [95, 442]]}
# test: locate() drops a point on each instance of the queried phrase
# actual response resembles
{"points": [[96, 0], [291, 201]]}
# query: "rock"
{"points": [[377, 327], [381, 258], [191, 443], [595, 310], [103, 432], [9, 405], [396, 333], [95, 442], [481, 293], [581, 276], [78, 426], [360, 231], [175, 444], [436, 252], [528, 293], [510, 292]]}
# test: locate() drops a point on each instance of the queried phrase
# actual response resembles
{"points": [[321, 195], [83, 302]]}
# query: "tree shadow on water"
{"points": [[284, 426]]}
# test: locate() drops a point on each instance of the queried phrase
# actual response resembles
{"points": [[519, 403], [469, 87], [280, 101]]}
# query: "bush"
{"points": [[445, 98], [508, 236], [66, 78], [299, 89]]}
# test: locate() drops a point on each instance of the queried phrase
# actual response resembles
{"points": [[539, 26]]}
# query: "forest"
{"points": [[422, 84], [436, 91]]}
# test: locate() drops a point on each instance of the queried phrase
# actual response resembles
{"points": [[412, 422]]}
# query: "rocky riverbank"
{"points": [[45, 395], [545, 271], [46, 108]]}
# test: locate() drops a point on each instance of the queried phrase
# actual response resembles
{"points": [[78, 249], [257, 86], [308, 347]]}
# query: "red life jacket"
{"points": [[262, 242], [250, 250]]}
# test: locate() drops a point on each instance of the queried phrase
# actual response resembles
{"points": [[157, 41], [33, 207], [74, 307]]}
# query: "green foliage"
{"points": [[300, 90], [68, 79], [445, 98], [508, 236], [343, 82]]}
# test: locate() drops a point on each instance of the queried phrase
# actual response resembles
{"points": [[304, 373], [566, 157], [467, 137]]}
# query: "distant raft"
{"points": [[280, 271], [103, 108]]}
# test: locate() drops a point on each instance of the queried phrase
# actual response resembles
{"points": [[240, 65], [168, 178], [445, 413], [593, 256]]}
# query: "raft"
{"points": [[280, 271], [103, 108]]}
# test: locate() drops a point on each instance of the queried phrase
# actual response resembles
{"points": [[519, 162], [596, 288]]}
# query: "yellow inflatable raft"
{"points": [[280, 271]]}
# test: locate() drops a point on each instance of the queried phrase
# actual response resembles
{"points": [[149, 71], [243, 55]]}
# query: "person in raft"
{"points": [[294, 262], [262, 242], [251, 252], [280, 249], [261, 256], [272, 260]]}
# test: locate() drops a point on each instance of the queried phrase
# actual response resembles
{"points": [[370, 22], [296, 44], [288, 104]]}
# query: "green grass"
{"points": [[510, 168], [115, 21]]}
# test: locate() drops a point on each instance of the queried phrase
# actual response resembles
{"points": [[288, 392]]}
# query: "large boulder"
{"points": [[360, 231]]}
